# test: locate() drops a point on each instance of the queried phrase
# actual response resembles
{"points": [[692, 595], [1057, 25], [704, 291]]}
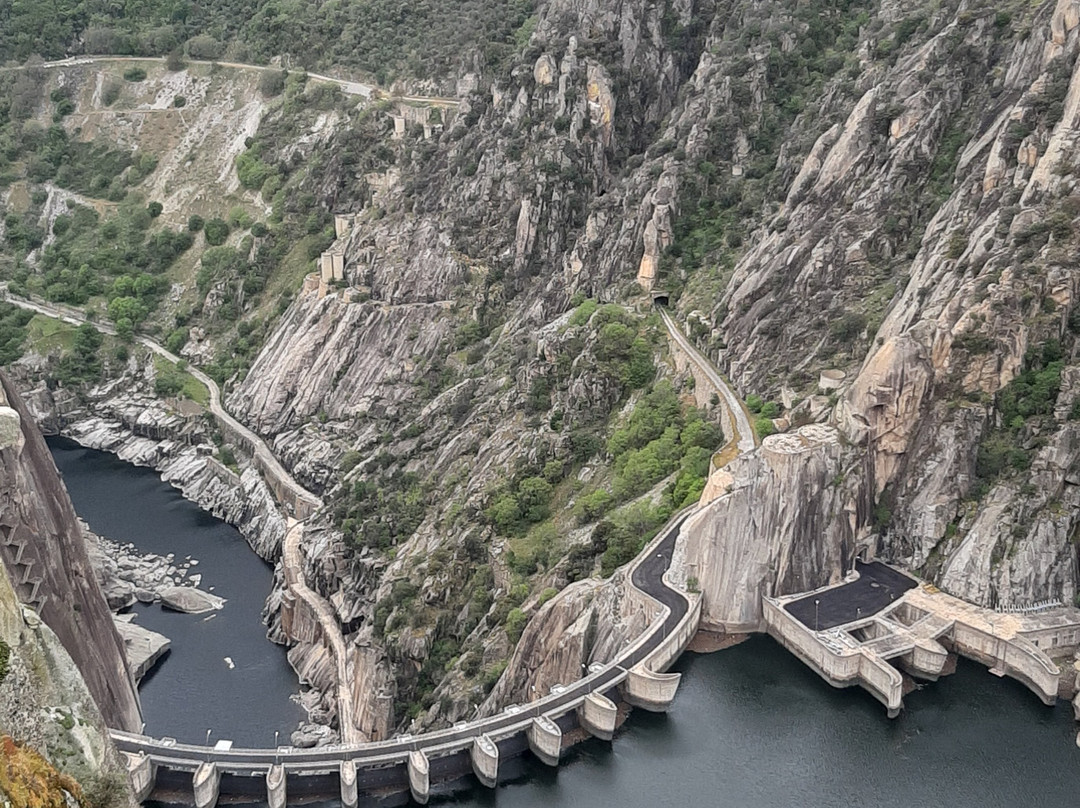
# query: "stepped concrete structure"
{"points": [[913, 629]]}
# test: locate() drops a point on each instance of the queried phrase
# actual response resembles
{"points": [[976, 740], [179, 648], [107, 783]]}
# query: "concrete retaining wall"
{"points": [[205, 783], [283, 488], [597, 715], [485, 761], [142, 773], [927, 659], [875, 675], [276, 792], [672, 647], [350, 794], [419, 776], [1016, 657], [650, 691]]}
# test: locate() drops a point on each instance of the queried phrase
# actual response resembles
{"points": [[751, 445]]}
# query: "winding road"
{"points": [[647, 574], [746, 440], [292, 558], [347, 86]]}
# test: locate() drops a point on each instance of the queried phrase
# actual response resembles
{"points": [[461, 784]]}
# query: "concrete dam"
{"points": [[164, 768]]}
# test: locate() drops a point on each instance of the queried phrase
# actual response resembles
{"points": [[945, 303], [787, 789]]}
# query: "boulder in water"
{"points": [[190, 600]]}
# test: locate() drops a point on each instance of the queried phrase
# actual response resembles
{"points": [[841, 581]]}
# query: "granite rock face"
{"points": [[782, 525], [45, 703], [41, 545], [67, 679]]}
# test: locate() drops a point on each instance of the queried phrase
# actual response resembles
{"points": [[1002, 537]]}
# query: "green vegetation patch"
{"points": [[174, 380], [381, 512], [13, 331], [1022, 404], [47, 334], [5, 657]]}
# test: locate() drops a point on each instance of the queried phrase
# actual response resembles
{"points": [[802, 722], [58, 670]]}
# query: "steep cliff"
{"points": [[865, 211], [46, 560], [64, 678]]}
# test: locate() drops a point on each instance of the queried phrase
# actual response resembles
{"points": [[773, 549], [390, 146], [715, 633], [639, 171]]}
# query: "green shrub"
{"points": [[154, 209], [583, 312], [350, 460], [110, 91], [179, 101], [176, 340], [515, 624], [764, 427], [252, 171], [272, 83], [134, 74], [216, 231], [195, 223], [5, 656]]}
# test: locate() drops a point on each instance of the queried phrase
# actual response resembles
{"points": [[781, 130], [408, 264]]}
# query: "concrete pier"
{"points": [[545, 740], [142, 646], [350, 795], [419, 777], [142, 773], [206, 783], [276, 792], [485, 761], [597, 716], [649, 690]]}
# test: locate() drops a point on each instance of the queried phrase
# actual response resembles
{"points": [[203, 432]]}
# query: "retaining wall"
{"points": [[875, 675], [1016, 657]]}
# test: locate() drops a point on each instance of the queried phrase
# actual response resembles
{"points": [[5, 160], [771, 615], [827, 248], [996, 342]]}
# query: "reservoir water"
{"points": [[751, 727], [192, 689]]}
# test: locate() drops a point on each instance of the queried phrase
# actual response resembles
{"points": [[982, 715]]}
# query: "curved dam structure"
{"points": [[417, 764]]}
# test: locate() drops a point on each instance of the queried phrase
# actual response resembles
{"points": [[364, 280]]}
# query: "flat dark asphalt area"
{"points": [[877, 587]]}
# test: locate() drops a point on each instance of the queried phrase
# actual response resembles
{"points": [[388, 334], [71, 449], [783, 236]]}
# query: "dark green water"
{"points": [[751, 725], [192, 689]]}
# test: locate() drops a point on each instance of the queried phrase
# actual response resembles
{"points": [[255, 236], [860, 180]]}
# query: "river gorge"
{"points": [[751, 725]]}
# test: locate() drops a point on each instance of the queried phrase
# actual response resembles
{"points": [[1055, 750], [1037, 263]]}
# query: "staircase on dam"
{"points": [[21, 562]]}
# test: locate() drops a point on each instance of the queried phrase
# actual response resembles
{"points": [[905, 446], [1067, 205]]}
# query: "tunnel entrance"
{"points": [[660, 298]]}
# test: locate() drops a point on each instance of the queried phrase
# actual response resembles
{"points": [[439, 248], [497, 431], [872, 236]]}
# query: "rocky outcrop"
{"points": [[41, 545], [590, 621], [146, 431], [190, 600], [64, 678], [782, 525], [45, 703]]}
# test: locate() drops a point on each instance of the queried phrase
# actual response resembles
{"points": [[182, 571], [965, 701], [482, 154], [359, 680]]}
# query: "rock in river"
{"points": [[190, 600]]}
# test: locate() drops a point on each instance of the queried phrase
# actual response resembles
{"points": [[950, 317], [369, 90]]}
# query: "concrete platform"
{"points": [[877, 587]]}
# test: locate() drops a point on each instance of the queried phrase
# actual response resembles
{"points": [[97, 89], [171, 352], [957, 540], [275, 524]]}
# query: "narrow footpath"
{"points": [[744, 432], [292, 564], [347, 86]]}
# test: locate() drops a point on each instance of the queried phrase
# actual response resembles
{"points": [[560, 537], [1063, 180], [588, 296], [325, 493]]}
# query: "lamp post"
{"points": [[817, 623], [208, 746], [275, 747]]}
